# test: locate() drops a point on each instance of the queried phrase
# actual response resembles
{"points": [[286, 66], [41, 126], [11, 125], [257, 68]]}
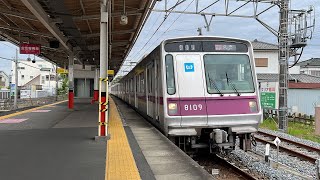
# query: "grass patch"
{"points": [[295, 129], [303, 131], [269, 123]]}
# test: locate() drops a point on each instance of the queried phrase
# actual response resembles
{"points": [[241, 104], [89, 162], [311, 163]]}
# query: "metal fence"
{"points": [[7, 104], [4, 94]]}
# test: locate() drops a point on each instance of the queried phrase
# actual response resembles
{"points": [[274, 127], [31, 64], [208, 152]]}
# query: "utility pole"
{"points": [[50, 89], [56, 82], [283, 61], [301, 21], [16, 82]]}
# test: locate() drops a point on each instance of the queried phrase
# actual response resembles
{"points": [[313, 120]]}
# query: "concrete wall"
{"points": [[81, 74]]}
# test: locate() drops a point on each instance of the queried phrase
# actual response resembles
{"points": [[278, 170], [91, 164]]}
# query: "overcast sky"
{"points": [[177, 25]]}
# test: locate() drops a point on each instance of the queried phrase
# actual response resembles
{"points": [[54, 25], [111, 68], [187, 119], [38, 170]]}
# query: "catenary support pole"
{"points": [[102, 130], [16, 82], [283, 61], [71, 82], [56, 68]]}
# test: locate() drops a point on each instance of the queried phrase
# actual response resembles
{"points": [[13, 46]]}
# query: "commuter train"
{"points": [[201, 92]]}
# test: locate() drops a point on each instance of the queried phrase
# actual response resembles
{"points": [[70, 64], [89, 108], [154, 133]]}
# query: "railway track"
{"points": [[241, 172], [224, 168], [291, 147]]}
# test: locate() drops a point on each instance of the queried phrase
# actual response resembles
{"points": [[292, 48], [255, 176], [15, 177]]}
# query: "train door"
{"points": [[156, 91], [150, 90], [191, 89], [136, 80]]}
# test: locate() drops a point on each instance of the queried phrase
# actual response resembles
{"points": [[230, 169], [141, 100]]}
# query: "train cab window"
{"points": [[171, 87], [228, 74]]}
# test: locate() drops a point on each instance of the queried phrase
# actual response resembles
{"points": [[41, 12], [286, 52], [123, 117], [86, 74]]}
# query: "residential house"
{"points": [[41, 74], [310, 66], [267, 66], [4, 80]]}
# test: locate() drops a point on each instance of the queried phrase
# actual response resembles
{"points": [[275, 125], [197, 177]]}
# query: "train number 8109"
{"points": [[193, 107]]}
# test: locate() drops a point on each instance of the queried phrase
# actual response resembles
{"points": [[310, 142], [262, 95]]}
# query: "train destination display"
{"points": [[205, 46]]}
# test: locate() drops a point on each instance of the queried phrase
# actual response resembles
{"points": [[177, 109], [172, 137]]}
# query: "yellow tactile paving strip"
{"points": [[120, 163]]}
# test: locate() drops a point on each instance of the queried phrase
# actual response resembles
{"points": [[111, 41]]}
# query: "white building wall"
{"points": [[294, 70], [48, 85], [28, 70], [307, 70], [273, 65], [273, 68]]}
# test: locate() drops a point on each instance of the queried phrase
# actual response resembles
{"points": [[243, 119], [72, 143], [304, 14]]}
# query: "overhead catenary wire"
{"points": [[3, 43], [162, 33], [13, 60], [165, 18], [167, 28]]}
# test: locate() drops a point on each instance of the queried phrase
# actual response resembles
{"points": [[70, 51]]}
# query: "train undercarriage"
{"points": [[214, 140]]}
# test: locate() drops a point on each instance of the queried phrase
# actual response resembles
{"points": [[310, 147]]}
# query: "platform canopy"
{"points": [[73, 26]]}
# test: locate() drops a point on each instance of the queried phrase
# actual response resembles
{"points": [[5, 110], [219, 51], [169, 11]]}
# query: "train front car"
{"points": [[210, 92]]}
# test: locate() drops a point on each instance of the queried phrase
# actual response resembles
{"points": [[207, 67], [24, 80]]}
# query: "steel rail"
{"points": [[292, 142], [289, 151], [236, 169]]}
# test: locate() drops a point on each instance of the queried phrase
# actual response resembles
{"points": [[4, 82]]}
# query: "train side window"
{"points": [[142, 82], [137, 83], [149, 75], [171, 87]]}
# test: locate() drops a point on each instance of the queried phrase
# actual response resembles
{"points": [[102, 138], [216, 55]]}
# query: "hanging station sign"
{"points": [[26, 48]]}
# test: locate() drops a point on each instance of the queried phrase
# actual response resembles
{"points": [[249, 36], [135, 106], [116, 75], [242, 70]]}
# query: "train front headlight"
{"points": [[253, 106], [172, 108]]}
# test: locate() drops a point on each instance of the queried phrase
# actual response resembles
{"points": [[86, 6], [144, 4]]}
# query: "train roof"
{"points": [[205, 38], [186, 38]]}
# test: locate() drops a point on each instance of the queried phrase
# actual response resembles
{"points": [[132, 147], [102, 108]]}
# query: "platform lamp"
{"points": [[34, 59], [124, 17]]}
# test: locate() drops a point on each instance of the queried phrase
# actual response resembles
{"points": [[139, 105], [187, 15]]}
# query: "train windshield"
{"points": [[228, 74]]}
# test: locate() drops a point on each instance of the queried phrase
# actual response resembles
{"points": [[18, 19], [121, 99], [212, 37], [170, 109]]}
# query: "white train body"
{"points": [[203, 89]]}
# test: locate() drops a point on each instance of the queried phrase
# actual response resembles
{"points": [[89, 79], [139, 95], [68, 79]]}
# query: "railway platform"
{"points": [[53, 142]]}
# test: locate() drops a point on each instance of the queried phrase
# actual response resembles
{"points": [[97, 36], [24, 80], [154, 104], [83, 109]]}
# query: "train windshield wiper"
{"points": [[214, 85], [229, 82]]}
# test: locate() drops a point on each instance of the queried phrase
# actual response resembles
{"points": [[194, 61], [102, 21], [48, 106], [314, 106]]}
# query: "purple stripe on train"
{"points": [[213, 105]]}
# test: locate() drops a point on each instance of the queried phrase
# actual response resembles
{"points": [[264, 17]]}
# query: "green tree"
{"points": [[64, 88]]}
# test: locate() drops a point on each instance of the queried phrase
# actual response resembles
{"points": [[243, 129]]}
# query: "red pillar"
{"points": [[71, 101], [103, 115], [96, 95]]}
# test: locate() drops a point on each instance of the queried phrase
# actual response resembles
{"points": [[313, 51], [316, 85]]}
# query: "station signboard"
{"points": [[26, 48], [110, 72], [268, 95], [62, 71]]}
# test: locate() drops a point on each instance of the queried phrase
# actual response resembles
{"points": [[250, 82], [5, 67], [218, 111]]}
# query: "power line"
{"points": [[3, 43], [165, 18], [168, 27], [13, 60]]}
